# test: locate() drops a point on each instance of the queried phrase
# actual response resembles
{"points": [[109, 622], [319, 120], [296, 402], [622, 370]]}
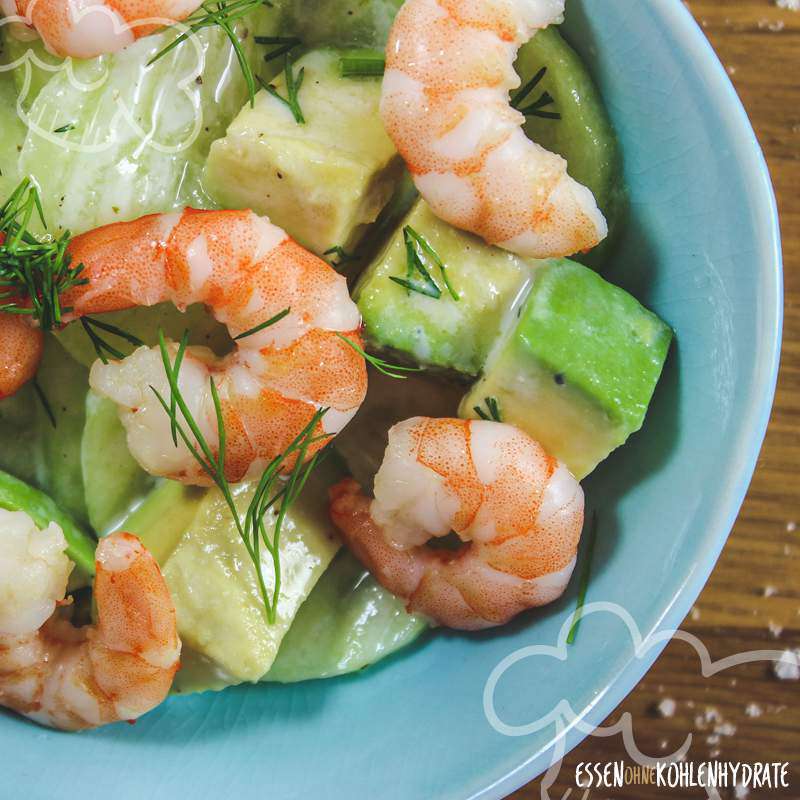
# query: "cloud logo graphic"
{"points": [[562, 717]]}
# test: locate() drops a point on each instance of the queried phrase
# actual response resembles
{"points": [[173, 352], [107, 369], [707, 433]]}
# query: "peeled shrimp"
{"points": [[519, 512], [74, 678], [21, 352], [449, 69], [89, 28], [246, 271]]}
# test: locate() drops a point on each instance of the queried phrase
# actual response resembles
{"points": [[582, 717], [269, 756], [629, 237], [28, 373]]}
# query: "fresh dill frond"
{"points": [[34, 270], [384, 367], [48, 409], [493, 407], [584, 584], [269, 323], [535, 108], [362, 64], [223, 14], [293, 85], [101, 346], [273, 488], [418, 277], [285, 45], [70, 126], [341, 254]]}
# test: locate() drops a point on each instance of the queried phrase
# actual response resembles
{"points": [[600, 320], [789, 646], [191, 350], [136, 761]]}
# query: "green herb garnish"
{"points": [[384, 367], [273, 490], [535, 108], [418, 277], [341, 254], [493, 407], [285, 45], [101, 346], [34, 271], [293, 85], [584, 584], [269, 323], [225, 15], [70, 126], [48, 409], [363, 64]]}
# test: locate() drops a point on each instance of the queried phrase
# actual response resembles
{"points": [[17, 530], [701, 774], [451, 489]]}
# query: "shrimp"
{"points": [[85, 29], [75, 678], [22, 352], [518, 511], [246, 271], [445, 104]]}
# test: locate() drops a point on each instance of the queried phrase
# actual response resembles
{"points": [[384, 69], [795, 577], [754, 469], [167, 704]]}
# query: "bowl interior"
{"points": [[701, 250]]}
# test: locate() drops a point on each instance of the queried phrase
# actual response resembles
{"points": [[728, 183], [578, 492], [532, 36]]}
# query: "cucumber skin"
{"points": [[15, 495]]}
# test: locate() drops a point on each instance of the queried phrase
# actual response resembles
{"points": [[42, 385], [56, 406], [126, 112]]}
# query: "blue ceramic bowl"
{"points": [[703, 251]]}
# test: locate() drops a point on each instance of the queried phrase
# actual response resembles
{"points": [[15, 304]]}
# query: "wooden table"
{"points": [[752, 600]]}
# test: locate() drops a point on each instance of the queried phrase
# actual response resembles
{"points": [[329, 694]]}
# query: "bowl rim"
{"points": [[754, 425]]}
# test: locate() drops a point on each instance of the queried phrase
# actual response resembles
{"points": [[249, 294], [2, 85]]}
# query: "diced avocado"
{"points": [[578, 370], [345, 23], [211, 577], [441, 332], [322, 181], [144, 323], [113, 480], [15, 495], [349, 622], [583, 135], [64, 384]]}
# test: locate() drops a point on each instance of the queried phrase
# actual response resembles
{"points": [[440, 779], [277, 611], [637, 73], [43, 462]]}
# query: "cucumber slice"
{"points": [[139, 134], [20, 453], [349, 622], [144, 323], [29, 76], [112, 478], [65, 384], [341, 23], [584, 135], [15, 495], [12, 134]]}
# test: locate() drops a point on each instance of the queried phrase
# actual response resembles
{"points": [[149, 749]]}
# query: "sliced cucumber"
{"points": [[20, 452], [341, 23], [12, 134], [113, 480], [349, 622], [584, 135]]}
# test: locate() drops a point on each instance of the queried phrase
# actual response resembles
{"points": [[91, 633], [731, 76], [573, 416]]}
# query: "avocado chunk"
{"points": [[325, 180], [221, 617], [578, 370], [583, 135], [349, 622], [441, 332]]}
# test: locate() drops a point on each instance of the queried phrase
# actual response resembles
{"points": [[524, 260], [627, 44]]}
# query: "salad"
{"points": [[306, 346]]}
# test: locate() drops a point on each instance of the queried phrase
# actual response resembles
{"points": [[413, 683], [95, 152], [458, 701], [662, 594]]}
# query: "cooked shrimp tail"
{"points": [[449, 70], [75, 678], [518, 512]]}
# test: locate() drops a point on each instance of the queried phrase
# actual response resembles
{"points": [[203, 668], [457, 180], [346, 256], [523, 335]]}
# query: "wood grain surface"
{"points": [[752, 600]]}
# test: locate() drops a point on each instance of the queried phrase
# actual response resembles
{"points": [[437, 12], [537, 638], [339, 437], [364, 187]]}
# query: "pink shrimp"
{"points": [[519, 511], [89, 28], [449, 69], [246, 271], [21, 353], [74, 678]]}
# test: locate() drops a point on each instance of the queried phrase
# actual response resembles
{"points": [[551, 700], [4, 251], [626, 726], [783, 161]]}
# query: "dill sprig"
{"points": [[418, 277], [285, 45], [269, 323], [101, 346], [223, 14], [384, 367], [535, 108], [362, 64], [493, 407], [272, 491], [34, 271], [341, 254], [293, 86], [584, 584], [48, 409]]}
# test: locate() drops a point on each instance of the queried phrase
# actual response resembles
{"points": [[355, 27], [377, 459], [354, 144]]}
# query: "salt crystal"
{"points": [[695, 613], [666, 708], [788, 668], [775, 629], [753, 710], [791, 525], [769, 591], [725, 729], [740, 792]]}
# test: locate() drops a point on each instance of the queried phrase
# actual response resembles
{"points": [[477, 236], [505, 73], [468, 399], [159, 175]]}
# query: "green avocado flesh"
{"points": [[584, 135], [322, 181], [443, 332], [579, 368]]}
